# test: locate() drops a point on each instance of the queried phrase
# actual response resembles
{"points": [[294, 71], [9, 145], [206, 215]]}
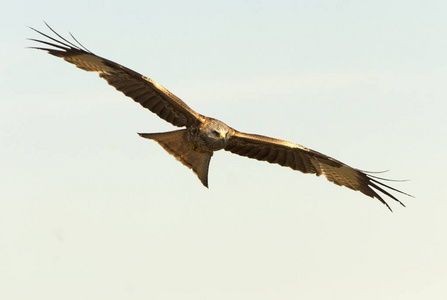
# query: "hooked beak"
{"points": [[222, 137]]}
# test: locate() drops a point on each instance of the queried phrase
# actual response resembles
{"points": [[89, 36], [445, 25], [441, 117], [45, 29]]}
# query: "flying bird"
{"points": [[201, 136]]}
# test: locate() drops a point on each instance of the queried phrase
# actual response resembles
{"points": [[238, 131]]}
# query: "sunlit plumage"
{"points": [[194, 145]]}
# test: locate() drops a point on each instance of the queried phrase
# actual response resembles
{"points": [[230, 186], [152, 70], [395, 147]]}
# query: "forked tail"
{"points": [[175, 143]]}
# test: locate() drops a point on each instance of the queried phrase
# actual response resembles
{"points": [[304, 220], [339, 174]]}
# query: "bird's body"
{"points": [[194, 145], [211, 135]]}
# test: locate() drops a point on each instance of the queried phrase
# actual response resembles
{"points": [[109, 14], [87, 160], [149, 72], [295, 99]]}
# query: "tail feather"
{"points": [[176, 144]]}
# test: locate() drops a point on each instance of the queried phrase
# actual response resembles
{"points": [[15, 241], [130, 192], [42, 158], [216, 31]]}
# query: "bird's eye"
{"points": [[216, 133]]}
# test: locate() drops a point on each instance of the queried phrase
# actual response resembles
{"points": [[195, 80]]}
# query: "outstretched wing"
{"points": [[306, 160], [143, 90]]}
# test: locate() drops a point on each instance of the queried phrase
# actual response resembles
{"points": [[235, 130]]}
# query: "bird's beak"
{"points": [[222, 137]]}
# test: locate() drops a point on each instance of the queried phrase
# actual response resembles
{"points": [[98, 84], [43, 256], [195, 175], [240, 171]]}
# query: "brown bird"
{"points": [[194, 145]]}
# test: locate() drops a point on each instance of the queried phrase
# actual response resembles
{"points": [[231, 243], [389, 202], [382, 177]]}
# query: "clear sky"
{"points": [[89, 210]]}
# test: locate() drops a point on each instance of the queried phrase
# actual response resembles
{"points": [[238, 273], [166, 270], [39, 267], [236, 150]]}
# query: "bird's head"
{"points": [[216, 134]]}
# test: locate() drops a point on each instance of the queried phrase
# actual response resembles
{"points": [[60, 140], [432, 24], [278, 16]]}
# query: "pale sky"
{"points": [[89, 210]]}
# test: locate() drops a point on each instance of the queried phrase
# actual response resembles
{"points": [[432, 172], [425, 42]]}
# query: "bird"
{"points": [[201, 136]]}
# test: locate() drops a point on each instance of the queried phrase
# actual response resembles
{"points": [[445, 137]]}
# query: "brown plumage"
{"points": [[195, 145]]}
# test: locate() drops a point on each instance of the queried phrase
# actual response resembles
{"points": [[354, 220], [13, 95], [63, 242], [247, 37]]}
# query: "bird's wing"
{"points": [[306, 160], [141, 89]]}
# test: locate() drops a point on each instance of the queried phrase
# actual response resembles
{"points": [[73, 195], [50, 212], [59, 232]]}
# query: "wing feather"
{"points": [[141, 89], [306, 160]]}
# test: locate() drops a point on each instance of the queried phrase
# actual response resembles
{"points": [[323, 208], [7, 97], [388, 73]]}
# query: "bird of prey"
{"points": [[195, 144]]}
